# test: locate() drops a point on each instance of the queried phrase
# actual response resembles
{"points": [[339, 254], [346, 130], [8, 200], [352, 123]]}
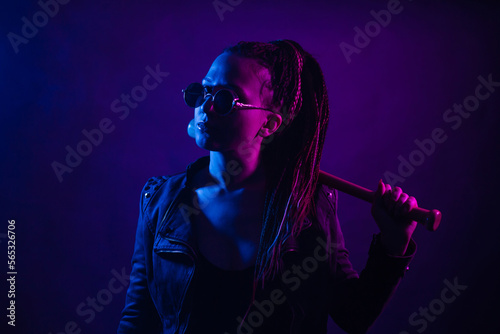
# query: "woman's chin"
{"points": [[207, 143]]}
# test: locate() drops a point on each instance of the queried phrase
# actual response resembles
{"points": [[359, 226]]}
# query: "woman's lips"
{"points": [[208, 125]]}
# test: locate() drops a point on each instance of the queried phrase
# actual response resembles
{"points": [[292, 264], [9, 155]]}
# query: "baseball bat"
{"points": [[429, 218]]}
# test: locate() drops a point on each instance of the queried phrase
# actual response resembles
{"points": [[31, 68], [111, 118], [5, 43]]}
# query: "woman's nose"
{"points": [[206, 107]]}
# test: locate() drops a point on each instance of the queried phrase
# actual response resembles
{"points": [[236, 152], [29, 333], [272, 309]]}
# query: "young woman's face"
{"points": [[241, 129]]}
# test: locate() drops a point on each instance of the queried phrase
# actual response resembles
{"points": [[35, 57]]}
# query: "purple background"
{"points": [[71, 235]]}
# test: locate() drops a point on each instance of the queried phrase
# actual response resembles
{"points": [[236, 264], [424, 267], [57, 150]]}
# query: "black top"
{"points": [[221, 297]]}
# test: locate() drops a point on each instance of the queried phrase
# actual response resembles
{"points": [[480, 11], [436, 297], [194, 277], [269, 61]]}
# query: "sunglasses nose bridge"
{"points": [[210, 105], [207, 106]]}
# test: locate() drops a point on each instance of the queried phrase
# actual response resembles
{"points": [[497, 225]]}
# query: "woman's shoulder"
{"points": [[158, 189], [325, 199]]}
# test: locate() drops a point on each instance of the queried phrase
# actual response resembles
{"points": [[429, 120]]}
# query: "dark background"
{"points": [[71, 236]]}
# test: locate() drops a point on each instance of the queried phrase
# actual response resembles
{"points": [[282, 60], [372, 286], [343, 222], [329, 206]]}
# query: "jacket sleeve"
{"points": [[357, 300], [139, 314]]}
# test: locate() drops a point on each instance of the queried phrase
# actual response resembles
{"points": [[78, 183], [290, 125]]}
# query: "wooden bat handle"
{"points": [[429, 218]]}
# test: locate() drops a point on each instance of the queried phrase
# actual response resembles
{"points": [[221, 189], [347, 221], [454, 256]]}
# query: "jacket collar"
{"points": [[175, 230], [193, 168]]}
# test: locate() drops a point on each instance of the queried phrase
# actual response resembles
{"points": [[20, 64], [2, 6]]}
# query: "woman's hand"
{"points": [[390, 210]]}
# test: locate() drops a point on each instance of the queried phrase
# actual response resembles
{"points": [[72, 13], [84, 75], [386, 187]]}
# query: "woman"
{"points": [[246, 240]]}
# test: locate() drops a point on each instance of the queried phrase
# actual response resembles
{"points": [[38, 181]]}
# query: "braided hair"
{"points": [[292, 156]]}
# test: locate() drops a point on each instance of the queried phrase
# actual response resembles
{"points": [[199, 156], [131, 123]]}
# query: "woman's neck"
{"points": [[231, 171]]}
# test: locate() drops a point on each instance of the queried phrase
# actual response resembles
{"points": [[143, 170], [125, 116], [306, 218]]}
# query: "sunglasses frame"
{"points": [[206, 95]]}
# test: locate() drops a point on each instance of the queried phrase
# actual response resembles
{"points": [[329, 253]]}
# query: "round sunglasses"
{"points": [[223, 102]]}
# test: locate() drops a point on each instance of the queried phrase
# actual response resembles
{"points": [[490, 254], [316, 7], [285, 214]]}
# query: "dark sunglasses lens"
{"points": [[193, 95], [223, 102]]}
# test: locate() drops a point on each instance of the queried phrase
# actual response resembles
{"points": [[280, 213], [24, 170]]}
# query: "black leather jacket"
{"points": [[164, 260]]}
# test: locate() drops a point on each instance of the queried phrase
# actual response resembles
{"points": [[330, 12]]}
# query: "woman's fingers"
{"points": [[380, 190], [390, 197], [400, 207], [396, 203]]}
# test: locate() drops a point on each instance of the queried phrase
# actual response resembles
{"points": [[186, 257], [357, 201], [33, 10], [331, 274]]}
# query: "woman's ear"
{"points": [[272, 124]]}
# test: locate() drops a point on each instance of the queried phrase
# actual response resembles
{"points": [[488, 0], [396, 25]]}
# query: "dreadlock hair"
{"points": [[291, 158]]}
